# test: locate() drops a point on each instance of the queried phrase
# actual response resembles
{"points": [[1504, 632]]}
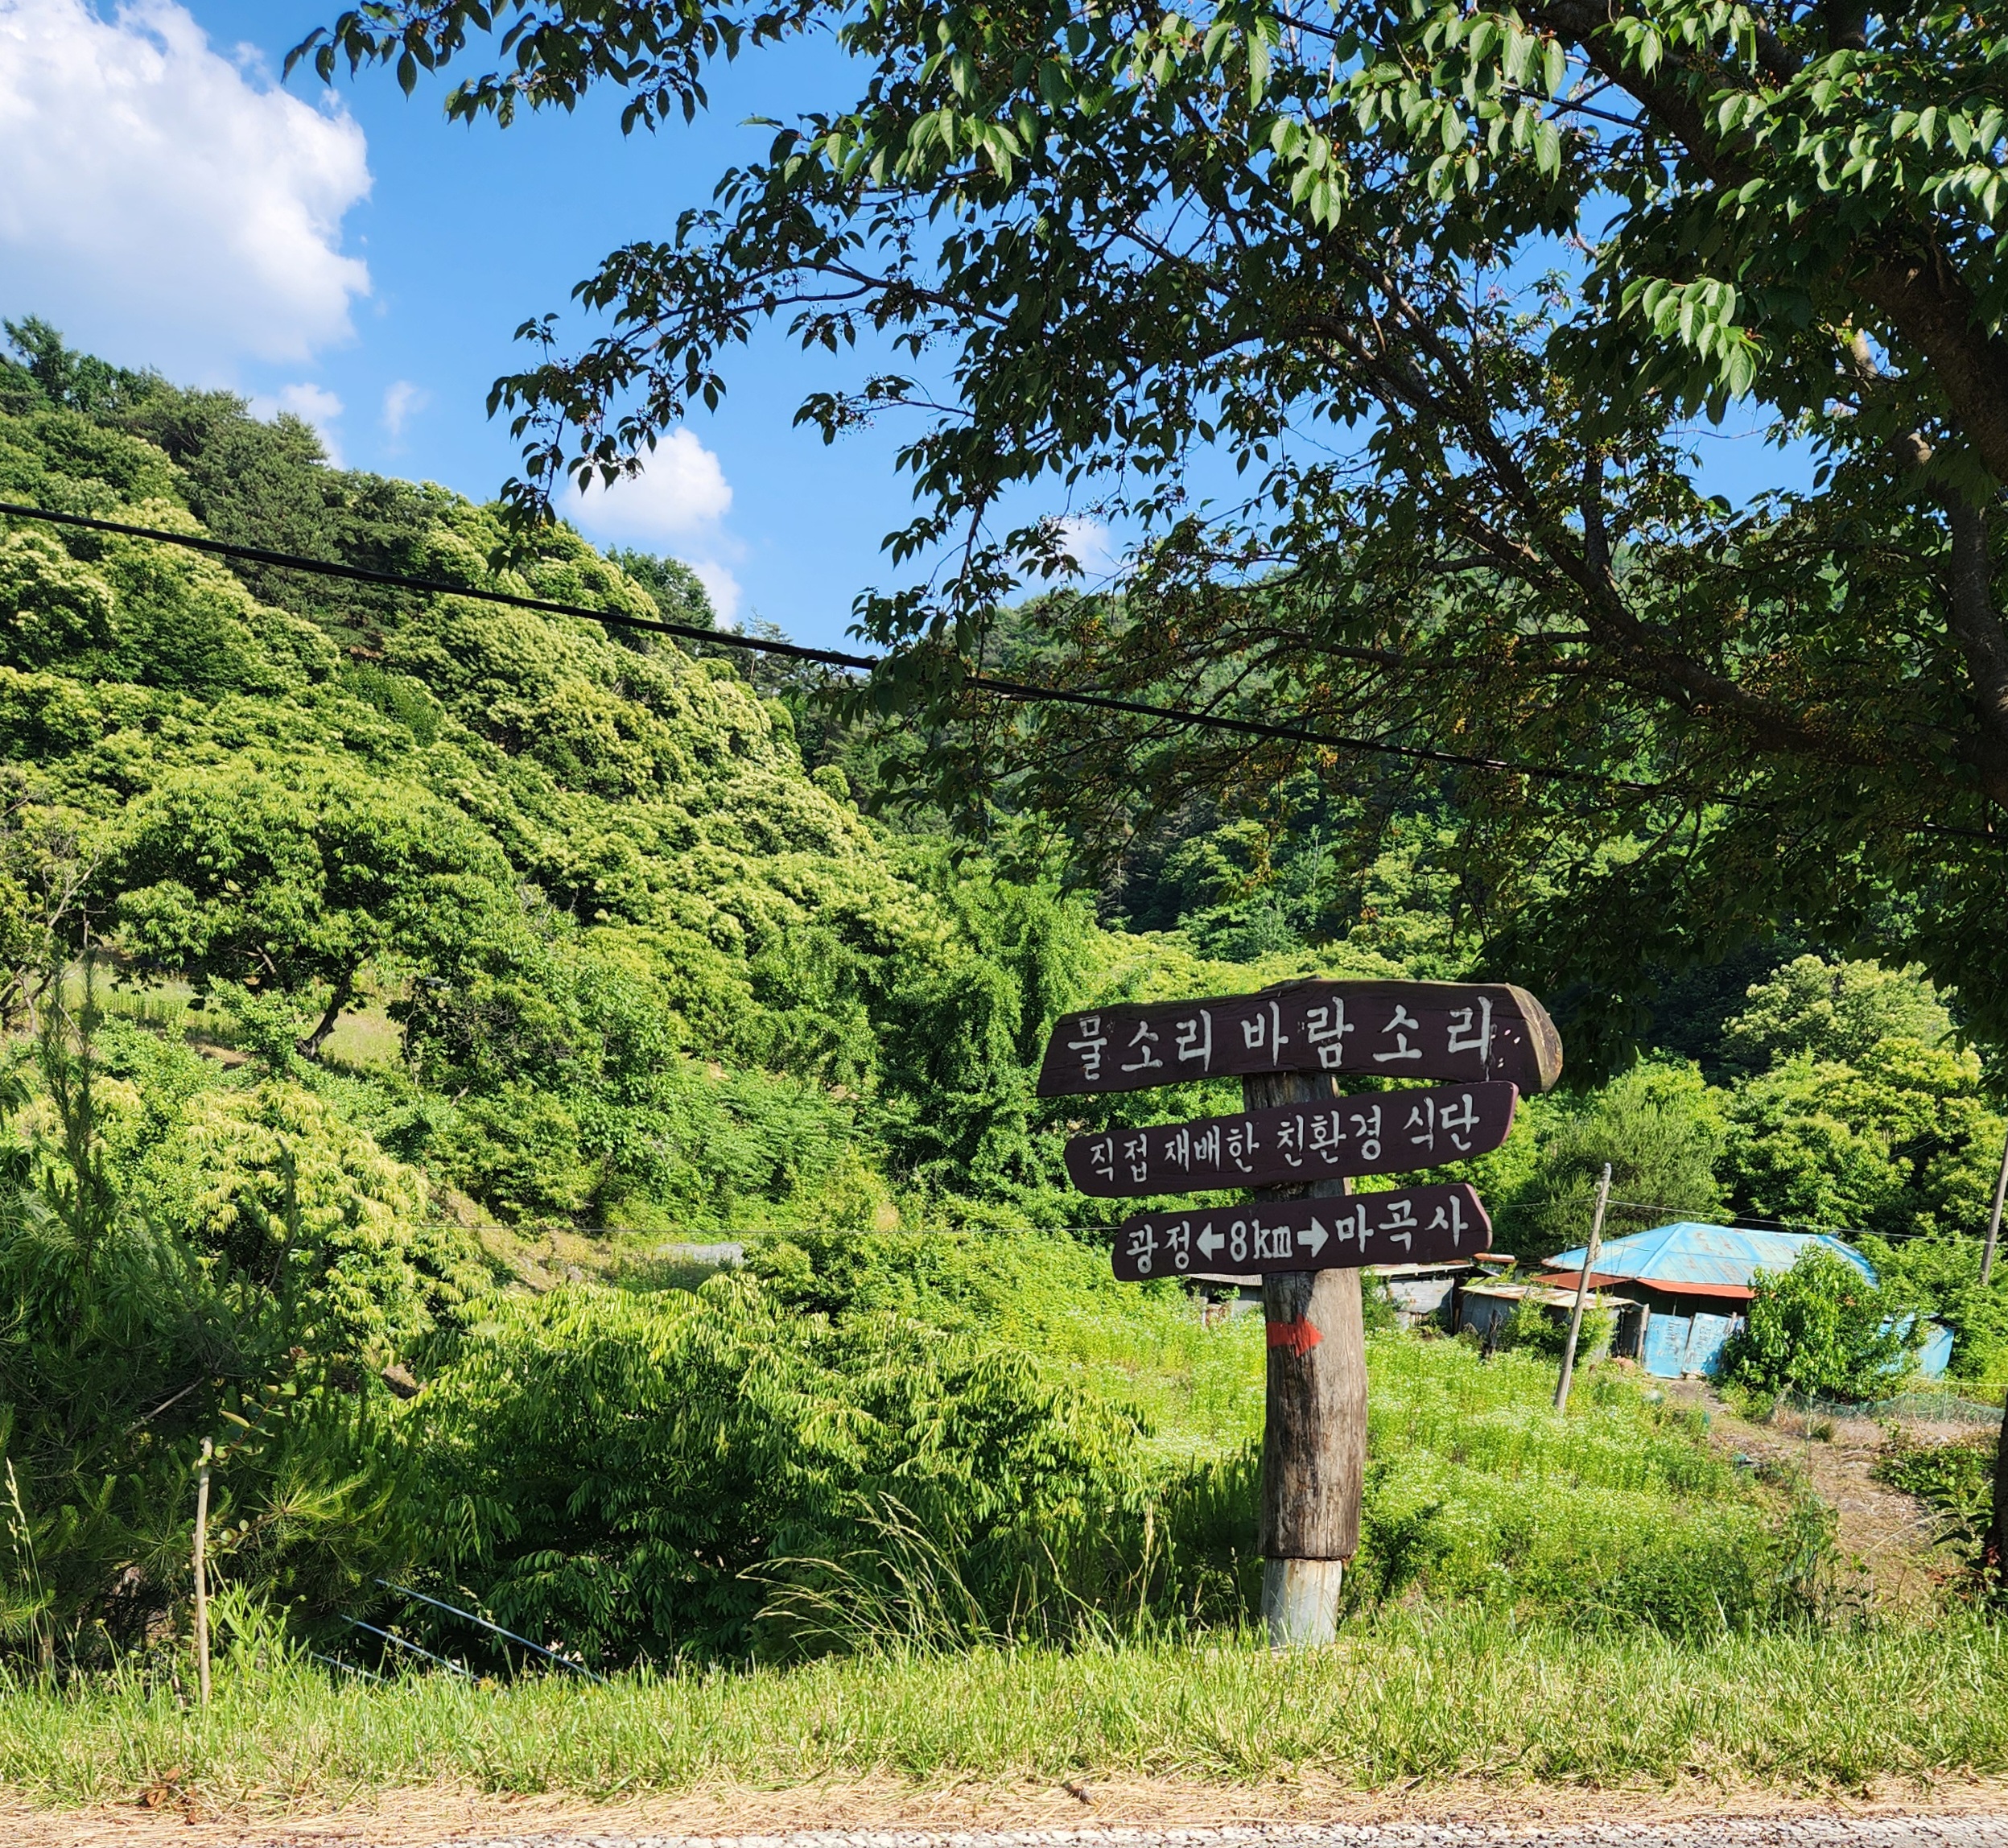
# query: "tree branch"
{"points": [[344, 993]]}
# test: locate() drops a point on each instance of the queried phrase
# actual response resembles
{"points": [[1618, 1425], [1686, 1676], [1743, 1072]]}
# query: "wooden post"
{"points": [[1994, 1553], [1314, 1433], [1994, 1559], [1582, 1289], [1993, 1218], [202, 1571]]}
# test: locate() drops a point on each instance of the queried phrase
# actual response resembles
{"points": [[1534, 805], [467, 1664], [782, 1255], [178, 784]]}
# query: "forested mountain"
{"points": [[346, 929], [647, 970]]}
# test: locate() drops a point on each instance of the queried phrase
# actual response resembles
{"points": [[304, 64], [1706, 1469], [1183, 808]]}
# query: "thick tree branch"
{"points": [[344, 993], [1976, 627], [1917, 289]]}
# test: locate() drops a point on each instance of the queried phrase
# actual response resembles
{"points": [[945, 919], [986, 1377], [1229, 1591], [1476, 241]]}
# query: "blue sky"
{"points": [[387, 260], [354, 258]]}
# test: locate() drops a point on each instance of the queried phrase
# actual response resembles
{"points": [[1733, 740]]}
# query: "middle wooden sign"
{"points": [[1374, 1133]]}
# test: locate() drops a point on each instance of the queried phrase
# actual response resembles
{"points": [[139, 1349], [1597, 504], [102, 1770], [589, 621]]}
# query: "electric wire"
{"points": [[357, 1623], [549, 1655], [1019, 691]]}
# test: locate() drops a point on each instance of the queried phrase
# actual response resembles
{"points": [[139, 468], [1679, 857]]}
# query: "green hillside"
{"points": [[645, 970], [372, 962]]}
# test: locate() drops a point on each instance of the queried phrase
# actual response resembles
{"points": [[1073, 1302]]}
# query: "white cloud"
{"points": [[159, 205], [679, 501], [313, 404], [1090, 543], [682, 490], [400, 401], [721, 587]]}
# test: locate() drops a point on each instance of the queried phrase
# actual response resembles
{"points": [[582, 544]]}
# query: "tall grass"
{"points": [[1621, 1512], [1437, 1698]]}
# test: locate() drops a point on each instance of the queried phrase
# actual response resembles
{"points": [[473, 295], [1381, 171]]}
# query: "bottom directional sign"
{"points": [[1413, 1225]]}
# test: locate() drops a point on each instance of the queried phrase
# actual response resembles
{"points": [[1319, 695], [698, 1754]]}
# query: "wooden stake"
{"points": [[1994, 1555], [1993, 1218], [1314, 1434], [1582, 1289], [202, 1571]]}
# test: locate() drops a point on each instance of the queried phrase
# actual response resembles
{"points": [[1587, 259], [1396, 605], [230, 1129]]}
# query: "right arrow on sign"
{"points": [[1405, 1226]]}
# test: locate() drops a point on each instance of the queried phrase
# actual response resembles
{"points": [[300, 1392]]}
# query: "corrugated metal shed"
{"points": [[1691, 1282], [1690, 1259]]}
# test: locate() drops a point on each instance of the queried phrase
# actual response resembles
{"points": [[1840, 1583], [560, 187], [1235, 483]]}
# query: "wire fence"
{"points": [[1905, 1409]]}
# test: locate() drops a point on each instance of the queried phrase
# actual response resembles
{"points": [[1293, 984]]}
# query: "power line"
{"points": [[1742, 1222], [439, 587], [1021, 691]]}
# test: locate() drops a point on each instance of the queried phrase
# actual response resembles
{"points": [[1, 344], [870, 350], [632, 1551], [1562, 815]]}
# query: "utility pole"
{"points": [[1993, 1218], [1994, 1556], [1582, 1289], [1314, 1430], [202, 1571]]}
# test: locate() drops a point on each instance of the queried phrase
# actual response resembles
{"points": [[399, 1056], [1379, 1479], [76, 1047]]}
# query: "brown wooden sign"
{"points": [[1376, 1133], [1413, 1225], [1459, 1031]]}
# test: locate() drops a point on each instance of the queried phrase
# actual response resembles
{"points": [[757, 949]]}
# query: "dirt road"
{"points": [[1797, 1829], [1886, 1538]]}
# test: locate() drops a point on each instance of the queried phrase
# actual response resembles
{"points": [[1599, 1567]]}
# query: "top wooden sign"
{"points": [[1471, 1031]]}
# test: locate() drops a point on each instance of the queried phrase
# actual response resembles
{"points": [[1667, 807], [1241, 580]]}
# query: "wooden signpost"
{"points": [[1298, 1144], [1462, 1031], [1377, 1133]]}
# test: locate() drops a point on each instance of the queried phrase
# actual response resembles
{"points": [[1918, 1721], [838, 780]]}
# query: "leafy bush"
{"points": [[1820, 1327], [1545, 1331], [1658, 1125], [1938, 1278], [274, 1181], [1958, 1477], [125, 1346], [1957, 1480], [703, 1475]]}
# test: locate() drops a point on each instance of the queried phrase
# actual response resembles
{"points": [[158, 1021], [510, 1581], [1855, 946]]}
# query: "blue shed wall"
{"points": [[1679, 1344]]}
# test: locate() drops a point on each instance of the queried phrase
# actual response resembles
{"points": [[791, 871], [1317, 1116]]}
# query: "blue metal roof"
{"points": [[1718, 1255]]}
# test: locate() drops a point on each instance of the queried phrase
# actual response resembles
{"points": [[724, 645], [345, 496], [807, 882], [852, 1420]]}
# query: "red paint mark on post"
{"points": [[1298, 1336]]}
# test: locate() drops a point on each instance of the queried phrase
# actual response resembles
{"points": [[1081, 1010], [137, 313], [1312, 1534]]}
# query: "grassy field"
{"points": [[1408, 1700], [1605, 1598]]}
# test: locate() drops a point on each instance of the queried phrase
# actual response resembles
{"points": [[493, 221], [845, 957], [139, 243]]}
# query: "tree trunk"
{"points": [[344, 993], [1994, 1559], [1314, 1436]]}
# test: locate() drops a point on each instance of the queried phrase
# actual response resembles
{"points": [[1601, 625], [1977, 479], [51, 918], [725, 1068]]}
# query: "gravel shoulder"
{"points": [[1954, 1813]]}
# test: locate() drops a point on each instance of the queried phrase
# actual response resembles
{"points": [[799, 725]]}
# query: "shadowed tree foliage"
{"points": [[1445, 285]]}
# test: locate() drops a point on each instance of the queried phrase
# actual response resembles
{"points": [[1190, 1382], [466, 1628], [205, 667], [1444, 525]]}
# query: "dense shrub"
{"points": [[126, 1344], [702, 1475], [1821, 1328], [1659, 1127], [1545, 1331], [1939, 1278], [1958, 1477]]}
